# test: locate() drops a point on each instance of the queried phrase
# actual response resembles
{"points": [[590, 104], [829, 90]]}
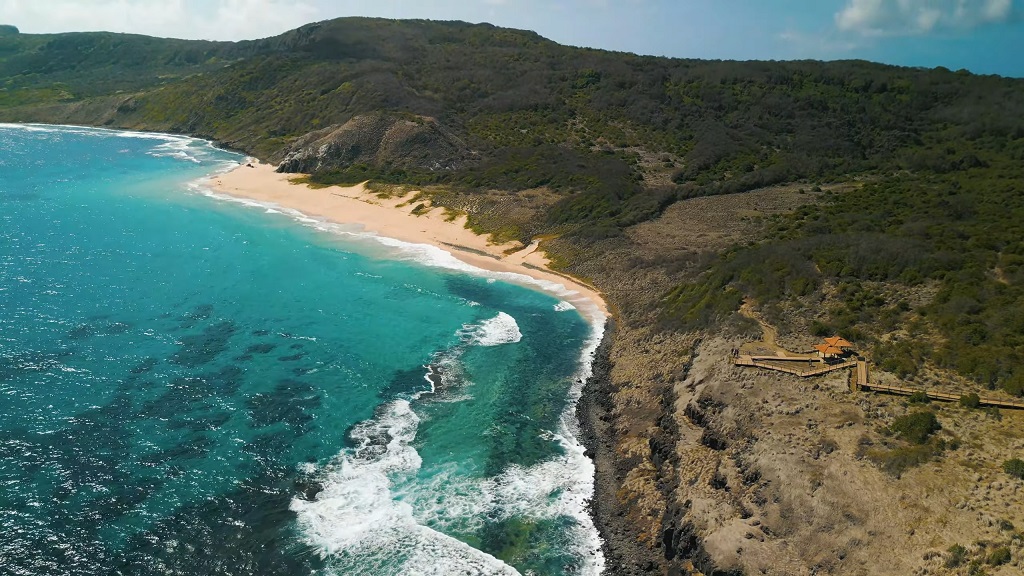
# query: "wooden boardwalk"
{"points": [[863, 384], [777, 363], [862, 373], [858, 379]]}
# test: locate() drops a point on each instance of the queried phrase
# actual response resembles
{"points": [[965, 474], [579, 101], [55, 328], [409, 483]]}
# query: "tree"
{"points": [[1014, 467], [916, 427], [971, 400]]}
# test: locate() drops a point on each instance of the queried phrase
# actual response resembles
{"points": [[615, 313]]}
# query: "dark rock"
{"points": [[624, 554], [81, 332], [260, 348], [146, 365], [203, 348], [713, 440]]}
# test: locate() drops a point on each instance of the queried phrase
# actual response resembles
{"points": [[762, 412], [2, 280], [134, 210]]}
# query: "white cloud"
{"points": [[818, 45], [205, 19], [906, 17]]}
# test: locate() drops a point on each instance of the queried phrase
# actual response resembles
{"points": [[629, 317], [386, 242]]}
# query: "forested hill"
{"points": [[526, 110], [613, 139]]}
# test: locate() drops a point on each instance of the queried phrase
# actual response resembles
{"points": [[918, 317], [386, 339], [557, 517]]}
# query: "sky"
{"points": [[983, 36]]}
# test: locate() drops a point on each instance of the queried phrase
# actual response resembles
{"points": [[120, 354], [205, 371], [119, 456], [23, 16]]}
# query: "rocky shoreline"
{"points": [[678, 549], [624, 554]]}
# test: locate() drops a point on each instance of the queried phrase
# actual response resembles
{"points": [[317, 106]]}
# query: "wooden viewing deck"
{"points": [[777, 363]]}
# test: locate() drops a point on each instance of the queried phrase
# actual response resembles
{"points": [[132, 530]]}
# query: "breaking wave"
{"points": [[502, 329], [358, 525], [183, 148]]}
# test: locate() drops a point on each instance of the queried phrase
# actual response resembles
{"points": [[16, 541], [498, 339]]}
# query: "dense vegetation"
{"points": [[956, 232], [49, 68], [1014, 467], [916, 427], [619, 138]]}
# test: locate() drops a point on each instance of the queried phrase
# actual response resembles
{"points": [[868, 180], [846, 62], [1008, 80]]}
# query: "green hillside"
{"points": [[617, 138], [37, 69]]}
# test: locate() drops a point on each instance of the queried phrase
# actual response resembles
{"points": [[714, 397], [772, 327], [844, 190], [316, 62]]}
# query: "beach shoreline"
{"points": [[412, 220], [399, 218]]}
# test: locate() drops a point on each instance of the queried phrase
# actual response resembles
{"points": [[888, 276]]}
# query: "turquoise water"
{"points": [[190, 385]]}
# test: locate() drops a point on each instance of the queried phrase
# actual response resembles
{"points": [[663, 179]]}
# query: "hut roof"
{"points": [[828, 350], [838, 342]]}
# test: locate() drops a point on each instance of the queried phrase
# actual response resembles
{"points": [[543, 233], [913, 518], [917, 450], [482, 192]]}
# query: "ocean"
{"points": [[191, 384]]}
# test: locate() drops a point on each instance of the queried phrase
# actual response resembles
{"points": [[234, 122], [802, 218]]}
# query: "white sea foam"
{"points": [[446, 368], [178, 148], [578, 466], [502, 329], [183, 148], [564, 306], [560, 487], [452, 500], [360, 528], [178, 155], [376, 511], [103, 132], [429, 377]]}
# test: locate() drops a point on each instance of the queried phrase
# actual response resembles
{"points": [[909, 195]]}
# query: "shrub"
{"points": [[898, 460], [971, 400], [919, 397], [819, 328], [829, 446], [999, 556], [975, 569], [1014, 467], [957, 555], [916, 427]]}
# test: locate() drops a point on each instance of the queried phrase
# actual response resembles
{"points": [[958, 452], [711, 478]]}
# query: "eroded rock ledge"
{"points": [[390, 140]]}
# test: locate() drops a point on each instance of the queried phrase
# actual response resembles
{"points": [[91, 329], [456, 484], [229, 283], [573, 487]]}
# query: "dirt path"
{"points": [[769, 335]]}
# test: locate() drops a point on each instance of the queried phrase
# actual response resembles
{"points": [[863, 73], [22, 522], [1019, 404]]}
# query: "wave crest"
{"points": [[358, 525], [502, 329]]}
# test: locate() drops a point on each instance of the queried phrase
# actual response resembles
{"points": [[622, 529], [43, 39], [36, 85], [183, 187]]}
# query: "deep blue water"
{"points": [[193, 386]]}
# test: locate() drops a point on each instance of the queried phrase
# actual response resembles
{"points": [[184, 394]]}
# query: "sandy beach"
{"points": [[394, 218]]}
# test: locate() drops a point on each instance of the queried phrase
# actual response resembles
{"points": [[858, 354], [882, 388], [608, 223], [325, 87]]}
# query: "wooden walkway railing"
{"points": [[771, 363], [940, 396], [859, 378], [862, 373]]}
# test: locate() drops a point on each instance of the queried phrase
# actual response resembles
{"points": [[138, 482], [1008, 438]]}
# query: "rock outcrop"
{"points": [[402, 141]]}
